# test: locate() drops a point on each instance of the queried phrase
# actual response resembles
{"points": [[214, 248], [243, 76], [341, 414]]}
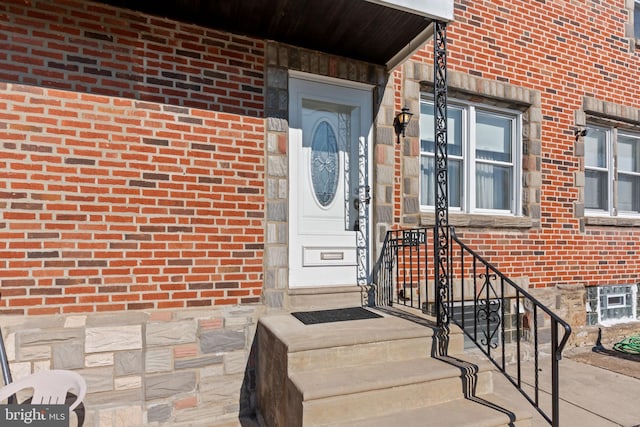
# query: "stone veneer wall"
{"points": [[185, 367]]}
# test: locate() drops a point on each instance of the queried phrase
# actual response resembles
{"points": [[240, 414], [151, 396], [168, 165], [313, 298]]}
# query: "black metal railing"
{"points": [[400, 274], [508, 324]]}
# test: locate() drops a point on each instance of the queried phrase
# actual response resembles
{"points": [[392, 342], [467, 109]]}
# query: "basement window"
{"points": [[616, 301], [608, 305]]}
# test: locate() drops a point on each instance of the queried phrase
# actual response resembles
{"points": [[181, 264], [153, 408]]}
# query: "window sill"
{"points": [[613, 221], [477, 220]]}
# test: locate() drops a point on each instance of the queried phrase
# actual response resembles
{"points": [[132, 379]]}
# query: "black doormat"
{"points": [[335, 315]]}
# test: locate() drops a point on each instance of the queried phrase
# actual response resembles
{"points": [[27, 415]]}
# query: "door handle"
{"points": [[366, 199]]}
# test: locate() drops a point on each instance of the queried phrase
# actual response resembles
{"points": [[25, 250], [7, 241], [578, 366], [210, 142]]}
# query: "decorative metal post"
{"points": [[362, 229], [441, 237]]}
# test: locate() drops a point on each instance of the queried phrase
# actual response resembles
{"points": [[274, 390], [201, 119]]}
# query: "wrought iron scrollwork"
{"points": [[488, 305], [441, 171], [414, 237], [364, 198]]}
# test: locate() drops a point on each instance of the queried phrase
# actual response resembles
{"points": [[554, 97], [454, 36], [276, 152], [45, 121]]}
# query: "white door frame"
{"points": [[305, 251]]}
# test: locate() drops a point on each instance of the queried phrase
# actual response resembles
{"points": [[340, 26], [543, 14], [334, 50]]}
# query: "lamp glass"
{"points": [[401, 121], [404, 117]]}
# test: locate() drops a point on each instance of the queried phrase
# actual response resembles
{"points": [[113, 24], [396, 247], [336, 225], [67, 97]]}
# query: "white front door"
{"points": [[328, 124]]}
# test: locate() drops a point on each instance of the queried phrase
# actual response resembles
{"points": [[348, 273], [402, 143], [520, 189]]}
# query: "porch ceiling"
{"points": [[383, 32]]}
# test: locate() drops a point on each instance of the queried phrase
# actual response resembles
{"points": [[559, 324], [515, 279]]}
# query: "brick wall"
{"points": [[566, 51], [131, 161]]}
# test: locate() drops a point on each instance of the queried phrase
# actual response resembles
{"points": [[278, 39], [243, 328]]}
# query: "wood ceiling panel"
{"points": [[355, 29]]}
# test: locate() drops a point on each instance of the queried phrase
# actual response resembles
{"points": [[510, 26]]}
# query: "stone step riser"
{"points": [[375, 352], [486, 410], [378, 402], [440, 421], [420, 422], [359, 354]]}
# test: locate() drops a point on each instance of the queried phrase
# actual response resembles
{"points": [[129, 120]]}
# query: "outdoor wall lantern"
{"points": [[579, 132], [401, 121]]}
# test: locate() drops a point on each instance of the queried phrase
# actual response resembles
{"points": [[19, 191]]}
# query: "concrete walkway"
{"points": [[590, 396]]}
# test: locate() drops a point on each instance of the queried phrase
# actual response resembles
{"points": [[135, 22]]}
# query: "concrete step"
{"points": [[488, 410], [353, 343], [378, 369], [349, 393]]}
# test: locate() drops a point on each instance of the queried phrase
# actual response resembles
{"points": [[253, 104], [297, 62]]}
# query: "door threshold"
{"points": [[325, 297], [324, 289]]}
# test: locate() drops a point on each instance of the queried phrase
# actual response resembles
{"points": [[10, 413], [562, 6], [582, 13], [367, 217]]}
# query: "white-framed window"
{"points": [[612, 167], [617, 301], [484, 158]]}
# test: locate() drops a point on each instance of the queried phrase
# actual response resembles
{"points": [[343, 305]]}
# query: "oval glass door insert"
{"points": [[325, 168]]}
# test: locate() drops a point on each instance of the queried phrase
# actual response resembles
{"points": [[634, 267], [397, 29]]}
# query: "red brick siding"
{"points": [[90, 48], [131, 161], [565, 50], [396, 79]]}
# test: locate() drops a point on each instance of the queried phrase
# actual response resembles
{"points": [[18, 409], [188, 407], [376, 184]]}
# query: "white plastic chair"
{"points": [[50, 387]]}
